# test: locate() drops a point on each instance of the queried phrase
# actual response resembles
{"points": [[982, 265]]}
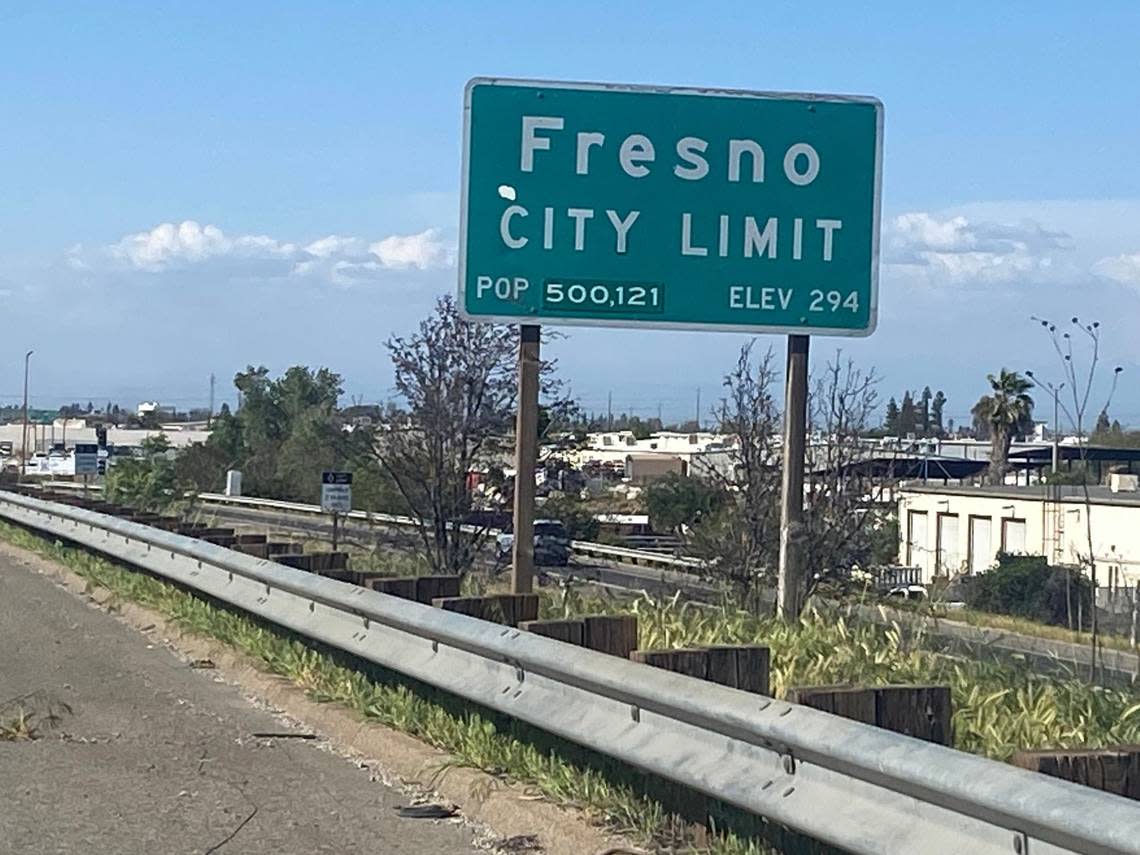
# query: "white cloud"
{"points": [[1124, 269], [339, 259], [958, 250], [334, 245], [423, 251], [168, 245]]}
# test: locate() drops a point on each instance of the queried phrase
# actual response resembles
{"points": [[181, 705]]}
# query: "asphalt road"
{"points": [[149, 755], [657, 582]]}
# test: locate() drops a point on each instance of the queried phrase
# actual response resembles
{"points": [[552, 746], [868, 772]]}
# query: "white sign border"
{"points": [[630, 323]]}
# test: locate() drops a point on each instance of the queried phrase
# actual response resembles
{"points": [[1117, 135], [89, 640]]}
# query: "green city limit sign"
{"points": [[611, 205]]}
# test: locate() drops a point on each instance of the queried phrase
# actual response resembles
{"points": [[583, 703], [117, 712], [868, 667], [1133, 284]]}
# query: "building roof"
{"points": [[906, 466], [1044, 454], [1098, 494]]}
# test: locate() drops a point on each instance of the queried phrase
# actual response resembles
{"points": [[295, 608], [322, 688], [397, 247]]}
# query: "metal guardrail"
{"points": [[584, 548], [857, 787]]}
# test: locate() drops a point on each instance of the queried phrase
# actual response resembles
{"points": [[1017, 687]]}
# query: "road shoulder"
{"points": [[515, 814]]}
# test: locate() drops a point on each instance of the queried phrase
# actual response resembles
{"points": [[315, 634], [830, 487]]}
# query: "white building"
{"points": [[615, 446], [42, 437], [950, 530]]}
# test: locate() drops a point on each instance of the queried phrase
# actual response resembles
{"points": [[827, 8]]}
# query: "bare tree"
{"points": [[1081, 380], [845, 485], [741, 541], [842, 485], [458, 382]]}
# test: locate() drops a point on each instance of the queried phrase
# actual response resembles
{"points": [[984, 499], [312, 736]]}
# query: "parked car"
{"points": [[908, 592], [551, 544]]}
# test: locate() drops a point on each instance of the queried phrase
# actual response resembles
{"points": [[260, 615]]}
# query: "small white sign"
{"points": [[86, 459], [336, 492]]}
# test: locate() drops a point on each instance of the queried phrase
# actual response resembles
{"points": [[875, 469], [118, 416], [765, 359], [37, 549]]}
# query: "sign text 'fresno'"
{"points": [[648, 207]]}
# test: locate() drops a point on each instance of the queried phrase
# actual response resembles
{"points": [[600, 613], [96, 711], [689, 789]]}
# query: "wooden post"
{"points": [[1114, 770], [526, 455], [743, 667], [613, 634], [924, 712], [507, 609], [688, 661], [397, 586], [430, 587], [848, 701], [789, 585], [569, 631]]}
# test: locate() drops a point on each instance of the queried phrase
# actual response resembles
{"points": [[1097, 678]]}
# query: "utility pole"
{"points": [[24, 434], [210, 418], [698, 409], [526, 455], [610, 411], [790, 583]]}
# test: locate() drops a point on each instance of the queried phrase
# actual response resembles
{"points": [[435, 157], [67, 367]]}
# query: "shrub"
{"points": [[1028, 586]]}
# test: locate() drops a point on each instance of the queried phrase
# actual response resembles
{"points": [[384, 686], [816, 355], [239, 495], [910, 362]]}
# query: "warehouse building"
{"points": [[949, 530]]}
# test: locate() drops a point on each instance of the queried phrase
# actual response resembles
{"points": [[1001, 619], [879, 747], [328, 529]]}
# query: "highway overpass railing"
{"points": [[583, 548]]}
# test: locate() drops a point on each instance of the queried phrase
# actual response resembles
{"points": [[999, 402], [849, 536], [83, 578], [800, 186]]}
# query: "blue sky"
{"points": [[313, 150]]}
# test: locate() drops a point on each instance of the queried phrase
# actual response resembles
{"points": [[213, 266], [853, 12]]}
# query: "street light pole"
{"points": [[24, 434]]}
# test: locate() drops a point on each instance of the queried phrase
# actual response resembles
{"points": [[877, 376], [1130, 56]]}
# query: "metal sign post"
{"points": [[789, 585], [86, 461], [336, 499], [526, 456]]}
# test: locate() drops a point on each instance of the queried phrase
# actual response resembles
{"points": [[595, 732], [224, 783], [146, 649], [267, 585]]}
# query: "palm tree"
{"points": [[1008, 412]]}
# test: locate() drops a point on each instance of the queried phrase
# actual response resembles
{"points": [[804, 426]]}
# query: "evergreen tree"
{"points": [[908, 416], [1103, 424], [924, 412], [891, 422], [936, 408]]}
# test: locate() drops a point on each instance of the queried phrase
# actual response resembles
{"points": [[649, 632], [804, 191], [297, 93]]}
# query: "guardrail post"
{"points": [[1114, 770], [613, 634], [743, 667], [569, 631], [396, 586], [924, 712], [683, 660], [507, 609], [430, 587]]}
